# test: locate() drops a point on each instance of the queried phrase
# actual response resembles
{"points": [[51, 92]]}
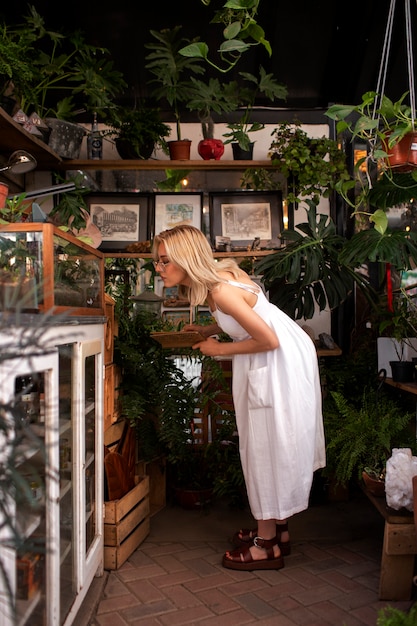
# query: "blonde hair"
{"points": [[187, 247]]}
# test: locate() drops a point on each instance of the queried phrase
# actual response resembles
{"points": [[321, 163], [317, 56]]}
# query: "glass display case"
{"points": [[46, 269], [51, 532]]}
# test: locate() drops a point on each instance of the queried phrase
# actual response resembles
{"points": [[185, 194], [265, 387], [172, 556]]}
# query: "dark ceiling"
{"points": [[324, 51]]}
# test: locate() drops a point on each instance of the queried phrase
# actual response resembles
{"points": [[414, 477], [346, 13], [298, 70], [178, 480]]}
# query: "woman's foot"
{"points": [[262, 554], [246, 536]]}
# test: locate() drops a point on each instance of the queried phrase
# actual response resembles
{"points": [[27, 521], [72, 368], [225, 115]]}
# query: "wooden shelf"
{"points": [[410, 387], [14, 137], [162, 164], [217, 255], [322, 352]]}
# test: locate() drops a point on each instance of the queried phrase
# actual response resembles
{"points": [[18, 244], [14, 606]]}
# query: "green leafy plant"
{"points": [[265, 84], [64, 69], [15, 209], [379, 123], [313, 166], [16, 71], [240, 30], [392, 616], [209, 97], [171, 71], [308, 271], [260, 179], [398, 321], [173, 180], [138, 130], [362, 434], [71, 208]]}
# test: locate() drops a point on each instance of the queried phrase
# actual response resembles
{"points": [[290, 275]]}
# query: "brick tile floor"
{"points": [[175, 577]]}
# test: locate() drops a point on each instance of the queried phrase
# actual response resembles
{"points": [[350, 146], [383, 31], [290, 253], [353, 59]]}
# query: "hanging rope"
{"points": [[383, 69], [410, 61]]}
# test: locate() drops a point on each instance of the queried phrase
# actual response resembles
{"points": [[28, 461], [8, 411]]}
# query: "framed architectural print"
{"points": [[246, 218], [172, 209], [122, 218]]}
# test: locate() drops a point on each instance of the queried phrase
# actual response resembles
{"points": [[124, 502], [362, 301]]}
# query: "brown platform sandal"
{"points": [[248, 536], [235, 561]]}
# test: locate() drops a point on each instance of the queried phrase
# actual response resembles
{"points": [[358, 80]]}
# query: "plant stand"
{"points": [[398, 551]]}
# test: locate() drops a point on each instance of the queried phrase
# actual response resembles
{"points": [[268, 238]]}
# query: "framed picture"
{"points": [[173, 209], [122, 218], [242, 217]]}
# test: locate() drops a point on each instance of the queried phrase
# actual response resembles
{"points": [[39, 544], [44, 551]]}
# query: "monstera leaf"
{"points": [[307, 272]]}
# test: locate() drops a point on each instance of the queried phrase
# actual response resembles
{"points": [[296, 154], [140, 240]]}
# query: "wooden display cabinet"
{"points": [[48, 270]]}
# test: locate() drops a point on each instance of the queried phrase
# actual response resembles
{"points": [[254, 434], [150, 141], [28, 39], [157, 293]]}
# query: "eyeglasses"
{"points": [[161, 264]]}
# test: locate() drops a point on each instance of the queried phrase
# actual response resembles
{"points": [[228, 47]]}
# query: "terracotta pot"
{"points": [[179, 150], [375, 486], [193, 499], [403, 156], [4, 191], [210, 149]]}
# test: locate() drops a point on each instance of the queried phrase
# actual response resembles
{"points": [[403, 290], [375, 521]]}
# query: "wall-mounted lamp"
{"points": [[20, 162]]}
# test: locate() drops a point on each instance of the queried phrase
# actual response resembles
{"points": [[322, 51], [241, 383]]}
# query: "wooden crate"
{"points": [[126, 524], [156, 471]]}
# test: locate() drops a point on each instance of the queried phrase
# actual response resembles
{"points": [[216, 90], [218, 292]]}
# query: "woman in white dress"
{"points": [[276, 390]]}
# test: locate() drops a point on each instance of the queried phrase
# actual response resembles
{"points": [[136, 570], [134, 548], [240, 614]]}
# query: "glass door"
{"points": [[89, 459], [68, 589], [30, 520]]}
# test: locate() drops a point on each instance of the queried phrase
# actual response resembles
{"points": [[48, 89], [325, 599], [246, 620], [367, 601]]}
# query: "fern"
{"points": [[363, 434]]}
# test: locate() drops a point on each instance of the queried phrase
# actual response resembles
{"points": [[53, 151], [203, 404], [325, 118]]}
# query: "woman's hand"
{"points": [[209, 347]]}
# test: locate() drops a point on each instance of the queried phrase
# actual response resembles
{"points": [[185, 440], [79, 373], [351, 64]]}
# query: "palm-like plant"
{"points": [[308, 270], [171, 71]]}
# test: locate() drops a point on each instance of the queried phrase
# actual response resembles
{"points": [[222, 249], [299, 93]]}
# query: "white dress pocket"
{"points": [[259, 395]]}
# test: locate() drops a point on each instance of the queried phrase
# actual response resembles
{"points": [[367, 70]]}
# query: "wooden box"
{"points": [[126, 524], [156, 471]]}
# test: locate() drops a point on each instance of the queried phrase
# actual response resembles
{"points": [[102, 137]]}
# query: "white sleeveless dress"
{"points": [[278, 404]]}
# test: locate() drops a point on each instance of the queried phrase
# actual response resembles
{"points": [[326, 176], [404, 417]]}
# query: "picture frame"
{"points": [[123, 219], [173, 209], [245, 216]]}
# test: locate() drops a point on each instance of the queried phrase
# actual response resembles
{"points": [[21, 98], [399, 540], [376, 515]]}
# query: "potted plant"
{"points": [[397, 327], [166, 428], [387, 130], [361, 431], [16, 71], [266, 85], [67, 74], [312, 165], [171, 74], [393, 616], [206, 98], [138, 131]]}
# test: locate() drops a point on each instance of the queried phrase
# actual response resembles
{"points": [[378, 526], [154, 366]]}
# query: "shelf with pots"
{"points": [[162, 164]]}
